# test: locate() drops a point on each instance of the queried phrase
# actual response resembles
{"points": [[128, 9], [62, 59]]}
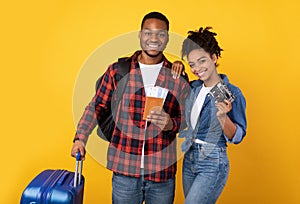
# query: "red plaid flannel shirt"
{"points": [[125, 149]]}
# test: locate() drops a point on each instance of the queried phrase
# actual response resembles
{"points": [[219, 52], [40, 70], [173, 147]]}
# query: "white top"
{"points": [[198, 105], [149, 75]]}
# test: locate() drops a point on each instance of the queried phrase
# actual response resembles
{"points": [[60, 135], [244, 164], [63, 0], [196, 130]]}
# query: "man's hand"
{"points": [[177, 69], [78, 146], [160, 119]]}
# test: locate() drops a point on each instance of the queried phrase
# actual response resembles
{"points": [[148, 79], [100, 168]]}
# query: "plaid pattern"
{"points": [[125, 149]]}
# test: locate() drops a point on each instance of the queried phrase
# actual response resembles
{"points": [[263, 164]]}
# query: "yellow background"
{"points": [[45, 43]]}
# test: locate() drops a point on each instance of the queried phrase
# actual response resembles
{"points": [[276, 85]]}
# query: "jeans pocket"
{"points": [[207, 161], [126, 189], [121, 181], [209, 153]]}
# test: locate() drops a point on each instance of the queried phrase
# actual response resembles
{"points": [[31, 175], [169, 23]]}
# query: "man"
{"points": [[142, 153]]}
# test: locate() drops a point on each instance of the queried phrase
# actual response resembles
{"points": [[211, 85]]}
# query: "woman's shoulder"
{"points": [[195, 83], [232, 87]]}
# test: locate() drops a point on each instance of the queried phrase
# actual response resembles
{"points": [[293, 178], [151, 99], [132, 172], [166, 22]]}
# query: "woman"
{"points": [[210, 123]]}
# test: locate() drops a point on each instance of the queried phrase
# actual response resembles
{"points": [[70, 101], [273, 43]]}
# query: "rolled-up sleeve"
{"points": [[238, 116]]}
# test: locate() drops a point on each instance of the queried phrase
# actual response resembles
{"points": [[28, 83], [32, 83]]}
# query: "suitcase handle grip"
{"points": [[78, 156], [77, 176]]}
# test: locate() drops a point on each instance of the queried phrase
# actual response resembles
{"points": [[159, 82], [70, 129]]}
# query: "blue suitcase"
{"points": [[56, 187]]}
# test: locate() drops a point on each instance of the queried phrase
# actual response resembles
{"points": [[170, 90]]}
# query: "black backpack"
{"points": [[106, 123]]}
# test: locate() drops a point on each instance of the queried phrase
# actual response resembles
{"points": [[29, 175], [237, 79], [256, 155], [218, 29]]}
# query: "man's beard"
{"points": [[153, 56]]}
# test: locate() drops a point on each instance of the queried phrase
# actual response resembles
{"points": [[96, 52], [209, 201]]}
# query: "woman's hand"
{"points": [[228, 126], [223, 108]]}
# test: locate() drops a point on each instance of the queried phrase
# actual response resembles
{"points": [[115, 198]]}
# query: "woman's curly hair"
{"points": [[203, 38]]}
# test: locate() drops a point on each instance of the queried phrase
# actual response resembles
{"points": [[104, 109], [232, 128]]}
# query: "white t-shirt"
{"points": [[198, 105], [149, 74]]}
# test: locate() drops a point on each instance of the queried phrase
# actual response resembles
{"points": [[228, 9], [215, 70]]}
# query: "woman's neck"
{"points": [[212, 81]]}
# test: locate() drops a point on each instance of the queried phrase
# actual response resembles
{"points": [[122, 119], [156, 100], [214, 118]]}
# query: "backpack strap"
{"points": [[124, 65], [123, 70], [107, 124]]}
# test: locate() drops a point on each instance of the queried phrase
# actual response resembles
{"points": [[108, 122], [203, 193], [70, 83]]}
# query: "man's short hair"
{"points": [[156, 15]]}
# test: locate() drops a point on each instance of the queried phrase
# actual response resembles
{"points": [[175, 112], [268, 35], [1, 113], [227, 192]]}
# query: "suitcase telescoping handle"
{"points": [[78, 171]]}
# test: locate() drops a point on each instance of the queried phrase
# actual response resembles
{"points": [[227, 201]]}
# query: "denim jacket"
{"points": [[208, 127]]}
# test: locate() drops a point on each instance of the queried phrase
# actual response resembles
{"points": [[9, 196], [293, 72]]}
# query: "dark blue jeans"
{"points": [[131, 190], [204, 173]]}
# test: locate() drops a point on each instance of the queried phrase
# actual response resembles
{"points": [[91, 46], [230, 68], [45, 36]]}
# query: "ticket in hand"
{"points": [[152, 103], [155, 98]]}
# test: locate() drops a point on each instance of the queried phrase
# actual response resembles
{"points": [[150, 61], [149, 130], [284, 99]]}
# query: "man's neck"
{"points": [[146, 59]]}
